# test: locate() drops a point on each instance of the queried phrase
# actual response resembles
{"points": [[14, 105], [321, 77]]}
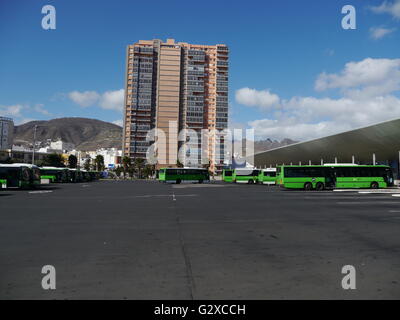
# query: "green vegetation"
{"points": [[72, 161], [54, 160], [99, 163]]}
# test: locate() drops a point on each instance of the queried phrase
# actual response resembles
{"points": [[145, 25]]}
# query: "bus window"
{"points": [[172, 172], [269, 174], [228, 173]]}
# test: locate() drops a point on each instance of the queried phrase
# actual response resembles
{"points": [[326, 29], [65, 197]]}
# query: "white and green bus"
{"points": [[227, 175], [54, 174], [267, 176], [179, 175], [19, 175], [245, 175], [330, 176]]}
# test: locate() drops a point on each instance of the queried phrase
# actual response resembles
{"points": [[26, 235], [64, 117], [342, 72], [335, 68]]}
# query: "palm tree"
{"points": [[126, 163], [138, 164], [99, 162], [87, 164], [72, 161], [149, 170]]}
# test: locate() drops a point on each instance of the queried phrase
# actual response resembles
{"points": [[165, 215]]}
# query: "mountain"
{"points": [[91, 134], [86, 134], [268, 144]]}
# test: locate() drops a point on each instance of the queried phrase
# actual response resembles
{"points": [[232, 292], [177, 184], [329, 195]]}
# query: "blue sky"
{"points": [[278, 49]]}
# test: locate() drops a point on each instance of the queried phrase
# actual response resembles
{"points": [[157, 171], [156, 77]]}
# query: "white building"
{"points": [[62, 146], [50, 150], [112, 157], [6, 133]]}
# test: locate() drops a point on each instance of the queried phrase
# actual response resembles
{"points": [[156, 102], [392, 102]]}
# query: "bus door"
{"points": [[330, 178], [14, 175]]}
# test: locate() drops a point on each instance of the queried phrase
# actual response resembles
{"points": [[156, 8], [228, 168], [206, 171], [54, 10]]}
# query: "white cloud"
{"points": [[119, 122], [377, 33], [21, 113], [369, 90], [11, 111], [268, 128], [110, 100], [263, 99], [39, 108], [392, 8], [84, 99], [303, 118], [370, 77]]}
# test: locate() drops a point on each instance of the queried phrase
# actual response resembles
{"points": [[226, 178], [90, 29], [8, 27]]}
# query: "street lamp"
{"points": [[34, 143]]}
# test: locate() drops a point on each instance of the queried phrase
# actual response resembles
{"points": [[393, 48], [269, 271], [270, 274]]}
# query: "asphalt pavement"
{"points": [[149, 240]]}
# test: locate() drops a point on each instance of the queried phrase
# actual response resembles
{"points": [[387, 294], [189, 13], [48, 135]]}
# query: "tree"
{"points": [[179, 164], [54, 160], [131, 171], [86, 165], [7, 160], [118, 171], [72, 161], [148, 170], [126, 163], [138, 165], [99, 162]]}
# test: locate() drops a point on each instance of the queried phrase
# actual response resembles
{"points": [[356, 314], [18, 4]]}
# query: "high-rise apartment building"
{"points": [[6, 133], [181, 89]]}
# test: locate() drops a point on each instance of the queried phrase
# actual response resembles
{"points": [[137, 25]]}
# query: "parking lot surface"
{"points": [[148, 240]]}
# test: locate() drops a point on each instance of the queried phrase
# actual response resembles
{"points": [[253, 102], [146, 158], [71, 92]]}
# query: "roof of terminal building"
{"points": [[381, 139]]}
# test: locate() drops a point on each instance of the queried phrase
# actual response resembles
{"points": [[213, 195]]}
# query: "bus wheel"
{"points": [[178, 181], [307, 186], [374, 185], [250, 181], [200, 181], [320, 186]]}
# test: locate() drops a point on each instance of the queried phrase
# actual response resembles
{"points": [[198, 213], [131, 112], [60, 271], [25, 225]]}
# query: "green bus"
{"points": [[331, 176], [75, 175], [19, 175], [178, 175], [227, 175], [94, 175], [245, 175], [54, 174], [85, 175], [267, 176]]}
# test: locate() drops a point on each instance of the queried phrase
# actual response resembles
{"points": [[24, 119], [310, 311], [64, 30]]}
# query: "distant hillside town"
{"points": [[82, 137], [17, 141]]}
